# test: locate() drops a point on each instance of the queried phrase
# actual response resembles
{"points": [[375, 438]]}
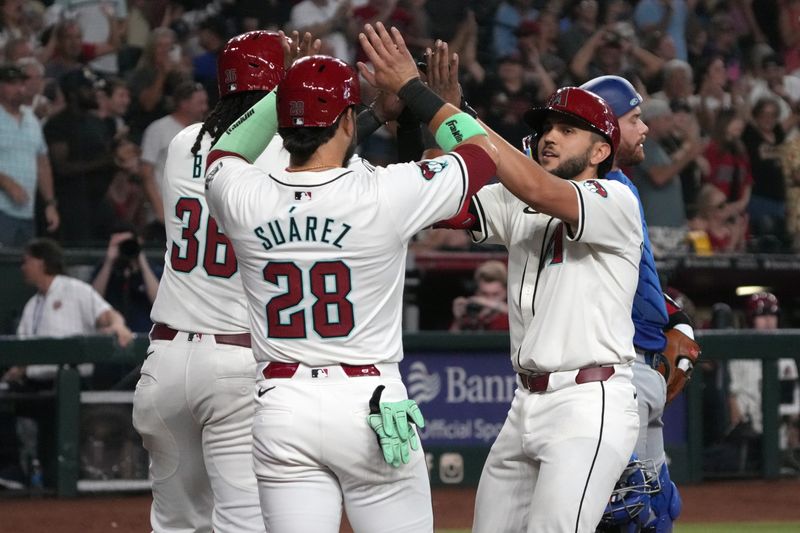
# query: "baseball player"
{"points": [[194, 405], [650, 314], [573, 421], [322, 253]]}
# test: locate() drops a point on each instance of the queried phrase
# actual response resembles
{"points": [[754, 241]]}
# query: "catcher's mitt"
{"points": [[679, 359]]}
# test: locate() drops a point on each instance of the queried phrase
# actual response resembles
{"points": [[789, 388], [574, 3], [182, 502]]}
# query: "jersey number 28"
{"points": [[331, 311], [214, 239]]}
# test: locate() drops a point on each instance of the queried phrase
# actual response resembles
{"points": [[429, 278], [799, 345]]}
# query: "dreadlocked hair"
{"points": [[224, 114]]}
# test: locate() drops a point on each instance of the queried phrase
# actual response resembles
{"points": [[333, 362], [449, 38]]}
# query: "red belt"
{"points": [[584, 375], [160, 332], [287, 370]]}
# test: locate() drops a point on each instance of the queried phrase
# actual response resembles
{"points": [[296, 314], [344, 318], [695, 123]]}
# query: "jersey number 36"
{"points": [[223, 267]]}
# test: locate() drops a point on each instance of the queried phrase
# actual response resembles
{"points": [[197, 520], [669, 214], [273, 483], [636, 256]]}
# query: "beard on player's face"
{"points": [[628, 155], [569, 168]]}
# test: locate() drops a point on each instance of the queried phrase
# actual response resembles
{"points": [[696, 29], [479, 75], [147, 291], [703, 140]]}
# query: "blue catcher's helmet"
{"points": [[629, 508], [618, 93]]}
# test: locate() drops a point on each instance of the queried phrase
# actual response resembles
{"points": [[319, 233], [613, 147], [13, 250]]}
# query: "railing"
{"points": [[716, 345]]}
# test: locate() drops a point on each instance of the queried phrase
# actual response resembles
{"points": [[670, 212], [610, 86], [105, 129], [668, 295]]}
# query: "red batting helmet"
{"points": [[588, 108], [252, 61], [762, 303], [315, 91]]}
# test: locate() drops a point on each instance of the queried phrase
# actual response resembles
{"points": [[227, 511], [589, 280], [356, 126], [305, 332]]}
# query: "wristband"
{"points": [[367, 123], [250, 134], [457, 129], [421, 100]]}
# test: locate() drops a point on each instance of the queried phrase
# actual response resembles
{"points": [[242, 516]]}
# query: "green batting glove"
{"points": [[395, 452], [392, 421]]}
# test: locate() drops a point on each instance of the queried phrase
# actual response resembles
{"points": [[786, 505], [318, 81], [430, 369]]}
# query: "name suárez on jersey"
{"points": [[308, 229]]}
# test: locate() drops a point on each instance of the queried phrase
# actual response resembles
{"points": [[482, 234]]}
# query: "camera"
{"points": [[473, 309], [129, 249]]}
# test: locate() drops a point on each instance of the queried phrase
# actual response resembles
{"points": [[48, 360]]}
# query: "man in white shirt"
{"points": [[191, 105], [329, 20]]}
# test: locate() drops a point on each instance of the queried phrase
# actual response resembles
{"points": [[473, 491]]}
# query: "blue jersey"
{"points": [[649, 310]]}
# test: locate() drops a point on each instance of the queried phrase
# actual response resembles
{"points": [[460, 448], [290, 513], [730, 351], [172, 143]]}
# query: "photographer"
{"points": [[127, 280], [486, 310]]}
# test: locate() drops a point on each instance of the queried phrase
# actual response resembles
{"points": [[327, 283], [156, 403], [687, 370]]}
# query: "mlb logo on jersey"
{"points": [[319, 372], [302, 196]]}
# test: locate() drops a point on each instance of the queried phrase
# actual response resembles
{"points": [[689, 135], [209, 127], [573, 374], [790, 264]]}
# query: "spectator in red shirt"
{"points": [[388, 12], [486, 310], [728, 161]]}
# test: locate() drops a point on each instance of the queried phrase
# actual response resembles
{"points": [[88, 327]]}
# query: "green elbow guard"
{"points": [[457, 129], [253, 131]]}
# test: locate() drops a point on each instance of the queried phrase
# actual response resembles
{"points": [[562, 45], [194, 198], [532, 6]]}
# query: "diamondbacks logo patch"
{"points": [[595, 187], [429, 169]]}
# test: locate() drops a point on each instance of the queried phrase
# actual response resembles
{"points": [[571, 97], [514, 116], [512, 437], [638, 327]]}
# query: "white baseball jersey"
{"points": [[201, 290], [323, 254], [553, 269]]}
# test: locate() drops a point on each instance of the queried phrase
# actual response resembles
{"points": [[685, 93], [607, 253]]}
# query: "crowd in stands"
{"points": [[98, 88]]}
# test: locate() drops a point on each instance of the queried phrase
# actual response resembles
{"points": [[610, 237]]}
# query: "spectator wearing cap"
{"points": [[80, 152], [658, 179], [510, 14], [785, 90], [191, 105], [24, 166], [506, 97]]}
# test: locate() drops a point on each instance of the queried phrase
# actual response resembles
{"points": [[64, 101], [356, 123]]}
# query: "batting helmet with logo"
{"points": [[762, 303], [315, 91], [618, 93], [252, 61], [588, 108]]}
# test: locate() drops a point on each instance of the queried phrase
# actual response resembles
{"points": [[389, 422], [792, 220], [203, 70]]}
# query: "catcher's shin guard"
{"points": [[666, 505]]}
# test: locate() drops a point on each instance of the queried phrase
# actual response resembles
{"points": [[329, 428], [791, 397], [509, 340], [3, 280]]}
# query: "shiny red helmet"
{"points": [[588, 108], [315, 91], [762, 303], [252, 61]]}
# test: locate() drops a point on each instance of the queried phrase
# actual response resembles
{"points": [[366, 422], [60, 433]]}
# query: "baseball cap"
{"points": [[78, 79], [12, 73]]}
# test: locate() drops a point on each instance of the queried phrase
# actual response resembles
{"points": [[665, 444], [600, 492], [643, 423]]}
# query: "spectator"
{"points": [[535, 73], [678, 82], [418, 34], [124, 201], [191, 105], [712, 95], [510, 15], [486, 310], [12, 22], [212, 38], [668, 16], [17, 48], [610, 51], [789, 25], [80, 152], [153, 82], [584, 25], [329, 20], [658, 179], [725, 228], [24, 166], [113, 101], [729, 165], [545, 36], [102, 23], [693, 174], [127, 281], [783, 89], [35, 99], [508, 97], [66, 51], [763, 139]]}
